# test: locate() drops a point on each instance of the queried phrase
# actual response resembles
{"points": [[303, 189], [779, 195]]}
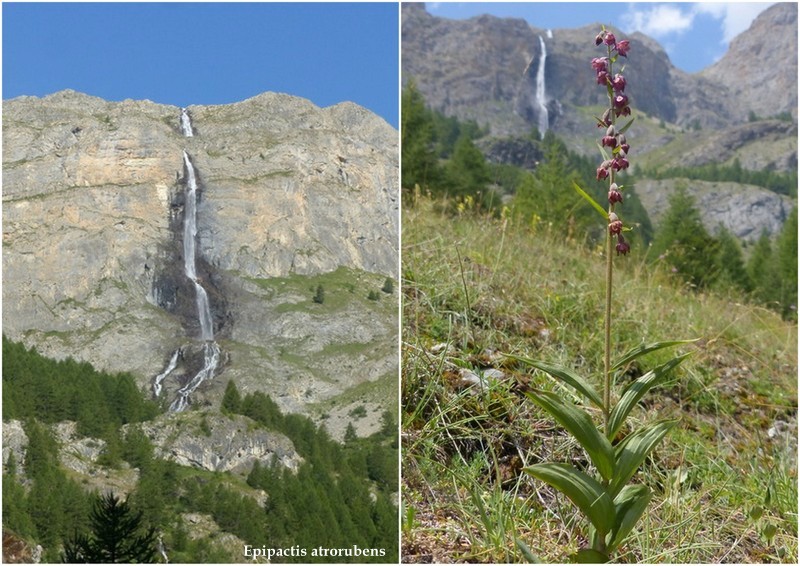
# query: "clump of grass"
{"points": [[476, 286]]}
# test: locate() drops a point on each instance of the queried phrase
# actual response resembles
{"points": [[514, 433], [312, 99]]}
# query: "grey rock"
{"points": [[92, 262], [745, 210], [483, 69], [15, 441], [216, 443]]}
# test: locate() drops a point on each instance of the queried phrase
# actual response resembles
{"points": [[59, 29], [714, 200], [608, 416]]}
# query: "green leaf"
{"points": [[565, 376], [631, 452], [603, 152], [584, 491], [643, 349], [526, 552], [630, 504], [580, 425], [635, 391], [624, 128], [589, 556], [589, 199]]}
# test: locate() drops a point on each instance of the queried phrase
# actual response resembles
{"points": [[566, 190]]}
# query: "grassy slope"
{"points": [[474, 287]]}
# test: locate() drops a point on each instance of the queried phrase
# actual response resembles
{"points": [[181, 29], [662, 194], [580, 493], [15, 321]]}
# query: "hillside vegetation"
{"points": [[477, 286]]}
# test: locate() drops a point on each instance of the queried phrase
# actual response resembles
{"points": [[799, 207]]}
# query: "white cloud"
{"points": [[736, 17], [658, 20], [664, 20]]}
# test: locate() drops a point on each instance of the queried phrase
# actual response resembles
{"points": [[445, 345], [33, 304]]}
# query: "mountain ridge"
{"points": [[288, 192], [434, 47]]}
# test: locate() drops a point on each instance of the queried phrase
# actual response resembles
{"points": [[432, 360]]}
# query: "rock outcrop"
{"points": [[92, 212], [216, 443], [745, 210]]}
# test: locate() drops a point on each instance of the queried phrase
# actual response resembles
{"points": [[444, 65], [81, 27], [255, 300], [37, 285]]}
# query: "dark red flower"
{"points": [[623, 47], [614, 194], [599, 39], [609, 141], [602, 173], [618, 83], [615, 226], [609, 39], [623, 247], [600, 64], [619, 163], [620, 101], [623, 111]]}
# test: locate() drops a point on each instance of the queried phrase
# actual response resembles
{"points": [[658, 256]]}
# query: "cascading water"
{"points": [[173, 362], [189, 236], [211, 350], [541, 100], [186, 124]]}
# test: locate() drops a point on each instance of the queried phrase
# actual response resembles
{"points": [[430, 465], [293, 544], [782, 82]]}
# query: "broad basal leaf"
{"points": [[565, 376], [589, 556], [584, 491], [629, 505], [643, 349], [580, 425], [635, 391], [631, 452]]}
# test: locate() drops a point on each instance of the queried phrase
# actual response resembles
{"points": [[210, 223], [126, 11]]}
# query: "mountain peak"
{"points": [[761, 64]]}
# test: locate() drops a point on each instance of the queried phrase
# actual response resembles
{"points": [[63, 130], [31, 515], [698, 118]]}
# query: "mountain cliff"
{"points": [[740, 112], [483, 68], [290, 196]]}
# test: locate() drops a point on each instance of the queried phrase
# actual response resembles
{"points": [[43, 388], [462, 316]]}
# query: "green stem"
{"points": [[609, 281], [607, 353]]}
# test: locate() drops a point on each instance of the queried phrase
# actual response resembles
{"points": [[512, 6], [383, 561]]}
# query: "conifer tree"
{"points": [[683, 242], [730, 262], [231, 400], [761, 269], [786, 256], [419, 164], [116, 536]]}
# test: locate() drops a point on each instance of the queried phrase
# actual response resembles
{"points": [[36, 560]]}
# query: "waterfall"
{"points": [[211, 350], [541, 100], [189, 236], [173, 362], [186, 124], [211, 360]]}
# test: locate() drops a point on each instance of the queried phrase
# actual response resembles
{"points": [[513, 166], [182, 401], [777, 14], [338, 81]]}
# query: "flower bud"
{"points": [[599, 39], [614, 194], [610, 39]]}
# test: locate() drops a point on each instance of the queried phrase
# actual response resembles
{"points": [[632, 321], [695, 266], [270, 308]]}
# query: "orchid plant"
{"points": [[608, 498]]}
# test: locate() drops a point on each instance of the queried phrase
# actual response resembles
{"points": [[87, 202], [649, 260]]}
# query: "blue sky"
{"points": [[205, 53], [694, 35]]}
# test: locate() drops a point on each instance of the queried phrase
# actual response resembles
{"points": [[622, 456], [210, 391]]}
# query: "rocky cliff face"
{"points": [[480, 69], [92, 263]]}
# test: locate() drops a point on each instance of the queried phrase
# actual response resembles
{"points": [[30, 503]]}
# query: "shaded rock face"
{"points": [[93, 198], [218, 444], [745, 210], [480, 69], [759, 71]]}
